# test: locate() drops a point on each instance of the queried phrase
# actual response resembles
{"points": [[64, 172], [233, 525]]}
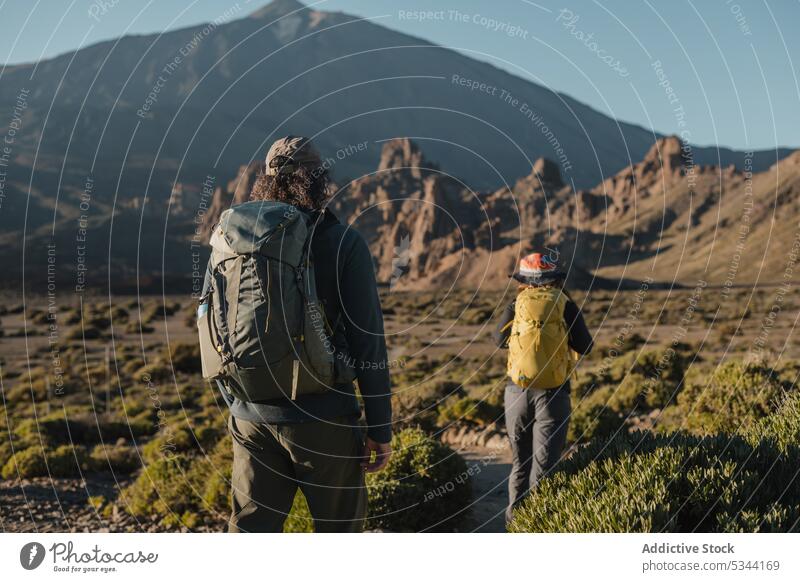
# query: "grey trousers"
{"points": [[270, 462], [537, 422]]}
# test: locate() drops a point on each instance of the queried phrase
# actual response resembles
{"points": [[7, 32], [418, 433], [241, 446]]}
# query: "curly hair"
{"points": [[304, 188]]}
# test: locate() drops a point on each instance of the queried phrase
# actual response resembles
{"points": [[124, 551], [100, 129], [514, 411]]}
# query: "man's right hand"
{"points": [[383, 451]]}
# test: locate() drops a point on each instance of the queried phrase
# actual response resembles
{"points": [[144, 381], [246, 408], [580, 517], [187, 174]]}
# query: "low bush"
{"points": [[669, 483], [735, 396], [83, 428], [135, 327], [185, 357], [419, 404], [181, 489], [468, 410], [781, 428], [63, 461], [25, 463], [425, 487], [115, 458], [68, 461]]}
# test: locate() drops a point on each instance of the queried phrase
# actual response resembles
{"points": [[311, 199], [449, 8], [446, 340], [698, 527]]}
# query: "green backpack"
{"points": [[263, 331]]}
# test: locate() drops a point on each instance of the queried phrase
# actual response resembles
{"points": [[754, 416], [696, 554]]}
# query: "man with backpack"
{"points": [[289, 318], [541, 328]]}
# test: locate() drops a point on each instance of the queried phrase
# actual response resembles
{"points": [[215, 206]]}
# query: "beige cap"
{"points": [[291, 152]]}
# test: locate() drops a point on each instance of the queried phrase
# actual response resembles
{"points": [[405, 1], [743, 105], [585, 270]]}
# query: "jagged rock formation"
{"points": [[427, 229], [663, 217]]}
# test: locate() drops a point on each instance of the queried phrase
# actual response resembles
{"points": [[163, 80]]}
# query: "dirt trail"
{"points": [[490, 468]]}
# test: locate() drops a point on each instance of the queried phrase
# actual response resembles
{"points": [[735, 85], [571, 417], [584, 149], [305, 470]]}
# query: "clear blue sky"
{"points": [[732, 64]]}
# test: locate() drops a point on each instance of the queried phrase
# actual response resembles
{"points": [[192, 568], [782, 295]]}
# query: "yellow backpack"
{"points": [[538, 350]]}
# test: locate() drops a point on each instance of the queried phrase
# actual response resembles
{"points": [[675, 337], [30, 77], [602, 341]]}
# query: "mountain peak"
{"points": [[668, 153], [277, 8], [402, 153], [547, 172]]}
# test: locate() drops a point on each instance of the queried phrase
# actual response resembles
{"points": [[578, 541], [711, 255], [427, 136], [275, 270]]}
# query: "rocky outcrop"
{"points": [[403, 154], [428, 230]]}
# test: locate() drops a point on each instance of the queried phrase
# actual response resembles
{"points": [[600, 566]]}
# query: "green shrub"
{"points": [[735, 396], [425, 486], [63, 461], [161, 489], [81, 427], [87, 332], [672, 483], [591, 419], [134, 327], [182, 489], [469, 410], [6, 452], [419, 403], [157, 371], [217, 478], [25, 463], [117, 458], [782, 427], [68, 461], [185, 357]]}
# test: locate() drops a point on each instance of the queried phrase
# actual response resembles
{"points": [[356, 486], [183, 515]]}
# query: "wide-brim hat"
{"points": [[538, 269]]}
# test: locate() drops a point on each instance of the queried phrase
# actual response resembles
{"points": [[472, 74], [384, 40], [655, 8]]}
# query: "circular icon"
{"points": [[31, 555]]}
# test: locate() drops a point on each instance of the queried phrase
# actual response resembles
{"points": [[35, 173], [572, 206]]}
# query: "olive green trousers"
{"points": [[270, 462]]}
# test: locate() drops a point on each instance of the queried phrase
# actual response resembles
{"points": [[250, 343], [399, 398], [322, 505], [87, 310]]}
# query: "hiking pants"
{"points": [[270, 462], [537, 422]]}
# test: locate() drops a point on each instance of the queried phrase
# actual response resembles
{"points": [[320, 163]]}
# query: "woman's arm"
{"points": [[580, 340], [503, 330]]}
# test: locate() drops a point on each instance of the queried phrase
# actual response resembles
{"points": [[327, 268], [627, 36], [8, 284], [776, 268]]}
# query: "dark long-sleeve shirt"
{"points": [[580, 340], [346, 285]]}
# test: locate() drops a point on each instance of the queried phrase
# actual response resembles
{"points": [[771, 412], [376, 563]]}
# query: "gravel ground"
{"points": [[62, 505]]}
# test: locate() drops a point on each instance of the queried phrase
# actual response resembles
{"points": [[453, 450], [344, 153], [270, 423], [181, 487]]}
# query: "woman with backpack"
{"points": [[543, 330]]}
